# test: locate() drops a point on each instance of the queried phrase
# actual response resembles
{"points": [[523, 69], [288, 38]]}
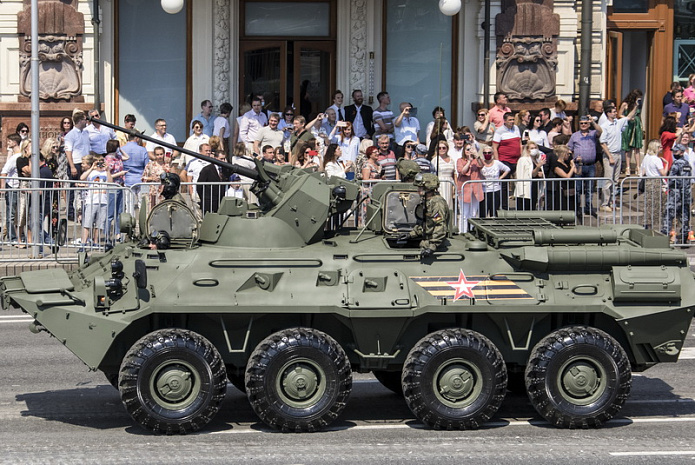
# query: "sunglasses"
{"points": [[55, 147], [289, 114], [410, 146], [443, 148], [24, 130], [481, 114], [488, 153]]}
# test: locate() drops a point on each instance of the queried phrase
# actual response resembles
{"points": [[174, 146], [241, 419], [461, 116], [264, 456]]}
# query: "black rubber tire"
{"points": [[451, 358], [319, 390], [189, 370], [578, 377], [391, 380]]}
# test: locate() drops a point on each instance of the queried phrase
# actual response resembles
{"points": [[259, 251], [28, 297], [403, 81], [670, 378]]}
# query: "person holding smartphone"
{"points": [[406, 126]]}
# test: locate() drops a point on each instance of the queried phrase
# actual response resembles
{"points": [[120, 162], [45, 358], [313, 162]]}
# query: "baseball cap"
{"points": [[678, 148], [584, 118], [421, 149]]}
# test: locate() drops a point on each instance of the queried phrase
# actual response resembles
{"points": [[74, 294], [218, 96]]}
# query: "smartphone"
{"points": [[413, 111], [525, 134], [542, 157]]}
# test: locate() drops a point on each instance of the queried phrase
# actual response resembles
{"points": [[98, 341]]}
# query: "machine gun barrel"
{"points": [[234, 168]]}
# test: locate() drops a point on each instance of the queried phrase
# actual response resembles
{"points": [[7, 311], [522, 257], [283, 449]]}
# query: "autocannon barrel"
{"points": [[233, 167], [554, 216]]}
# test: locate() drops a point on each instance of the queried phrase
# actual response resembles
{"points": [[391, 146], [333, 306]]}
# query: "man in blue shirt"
{"points": [[679, 107], [135, 159], [204, 117], [583, 145]]}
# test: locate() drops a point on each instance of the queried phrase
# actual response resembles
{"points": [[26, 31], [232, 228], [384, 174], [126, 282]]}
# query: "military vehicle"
{"points": [[286, 301]]}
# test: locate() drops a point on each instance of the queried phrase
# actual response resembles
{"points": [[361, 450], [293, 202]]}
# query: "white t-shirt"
{"points": [[10, 170], [96, 195], [168, 138], [651, 164], [491, 173], [221, 122], [408, 130], [194, 168]]}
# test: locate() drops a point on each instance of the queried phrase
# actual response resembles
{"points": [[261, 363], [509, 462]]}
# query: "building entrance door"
{"points": [[288, 72]]}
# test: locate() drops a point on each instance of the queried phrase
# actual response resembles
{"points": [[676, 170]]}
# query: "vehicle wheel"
{"points": [[298, 380], [454, 379], [391, 380], [172, 381], [578, 377]]}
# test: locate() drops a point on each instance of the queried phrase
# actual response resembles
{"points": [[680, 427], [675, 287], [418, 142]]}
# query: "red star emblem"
{"points": [[463, 286]]}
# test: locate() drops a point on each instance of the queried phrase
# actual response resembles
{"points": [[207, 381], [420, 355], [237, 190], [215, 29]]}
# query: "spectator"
{"points": [[654, 168], [506, 144], [546, 121], [383, 117], [360, 115], [633, 134], [306, 157], [208, 188], [221, 127], [338, 105], [425, 165], [280, 157], [239, 158], [153, 172], [251, 123], [558, 110], [98, 134], [362, 156], [689, 93], [409, 149], [555, 130], [193, 142], [371, 169], [523, 120], [565, 168], [583, 145], [387, 159], [161, 134], [114, 163], [348, 142], [537, 134], [128, 123], [469, 194], [500, 108], [678, 108], [50, 151], [24, 172], [23, 131], [135, 160], [96, 201], [205, 118], [9, 182], [611, 142], [438, 115], [456, 150], [491, 171], [300, 135], [286, 125], [243, 109], [62, 172], [439, 133], [668, 133], [328, 124], [483, 127], [406, 125], [332, 165], [446, 169], [269, 135], [76, 147], [528, 170], [668, 97]]}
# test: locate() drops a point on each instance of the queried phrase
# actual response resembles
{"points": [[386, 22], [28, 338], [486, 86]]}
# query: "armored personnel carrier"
{"points": [[286, 307]]}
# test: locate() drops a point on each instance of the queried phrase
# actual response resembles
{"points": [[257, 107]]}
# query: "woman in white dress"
{"points": [[446, 170]]}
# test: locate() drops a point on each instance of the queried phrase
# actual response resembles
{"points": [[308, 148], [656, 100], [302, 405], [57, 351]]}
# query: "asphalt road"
{"points": [[53, 410]]}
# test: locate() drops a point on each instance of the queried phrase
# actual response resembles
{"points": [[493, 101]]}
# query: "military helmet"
{"points": [[408, 169], [429, 181]]}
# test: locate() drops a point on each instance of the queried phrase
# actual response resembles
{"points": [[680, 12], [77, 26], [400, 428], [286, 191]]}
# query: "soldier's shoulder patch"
{"points": [[437, 217]]}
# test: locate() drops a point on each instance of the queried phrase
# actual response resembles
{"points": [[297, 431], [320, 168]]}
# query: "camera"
{"points": [[101, 164]]}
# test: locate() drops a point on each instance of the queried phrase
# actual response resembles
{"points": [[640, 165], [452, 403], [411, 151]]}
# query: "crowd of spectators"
{"points": [[541, 150]]}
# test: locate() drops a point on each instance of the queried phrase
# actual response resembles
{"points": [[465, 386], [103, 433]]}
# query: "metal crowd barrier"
{"points": [[67, 208]]}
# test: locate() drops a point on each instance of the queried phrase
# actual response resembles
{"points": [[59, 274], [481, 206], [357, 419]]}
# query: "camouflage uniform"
{"points": [[678, 199], [436, 223]]}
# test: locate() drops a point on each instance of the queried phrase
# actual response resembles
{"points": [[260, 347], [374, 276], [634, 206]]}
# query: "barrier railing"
{"points": [[77, 215]]}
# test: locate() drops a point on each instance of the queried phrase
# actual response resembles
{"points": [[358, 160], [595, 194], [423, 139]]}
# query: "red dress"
{"points": [[667, 140]]}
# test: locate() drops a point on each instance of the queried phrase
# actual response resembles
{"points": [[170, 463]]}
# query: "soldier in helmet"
{"points": [[435, 226], [408, 169]]}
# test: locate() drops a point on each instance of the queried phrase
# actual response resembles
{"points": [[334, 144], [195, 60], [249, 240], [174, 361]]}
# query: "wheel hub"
{"points": [[174, 384], [581, 380], [300, 382], [456, 383]]}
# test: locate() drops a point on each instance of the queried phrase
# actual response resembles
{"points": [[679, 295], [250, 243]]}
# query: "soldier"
{"points": [[435, 226], [408, 169], [678, 199]]}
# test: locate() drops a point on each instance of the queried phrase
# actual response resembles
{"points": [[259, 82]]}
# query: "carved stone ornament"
{"points": [[358, 45], [221, 50], [61, 28], [526, 59]]}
